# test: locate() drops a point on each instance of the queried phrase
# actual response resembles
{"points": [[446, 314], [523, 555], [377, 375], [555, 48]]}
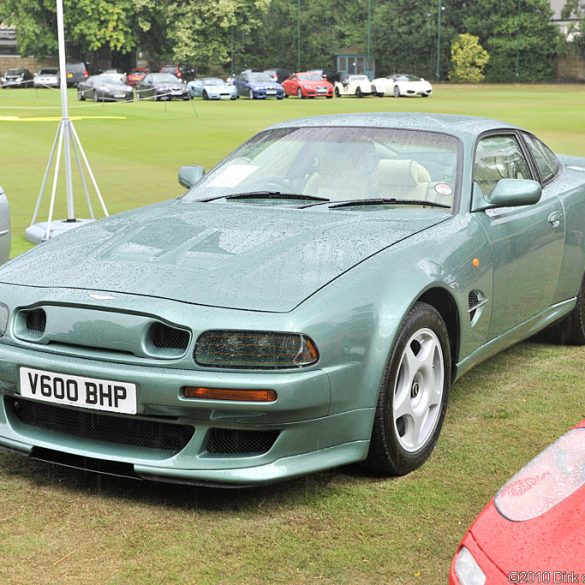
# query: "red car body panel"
{"points": [[550, 546], [137, 75], [308, 87]]}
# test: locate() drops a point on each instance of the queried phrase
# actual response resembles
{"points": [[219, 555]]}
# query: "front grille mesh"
{"points": [[36, 320], [101, 427], [166, 337], [227, 441]]}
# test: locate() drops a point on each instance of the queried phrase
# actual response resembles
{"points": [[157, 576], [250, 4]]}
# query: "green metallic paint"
{"points": [[343, 277]]}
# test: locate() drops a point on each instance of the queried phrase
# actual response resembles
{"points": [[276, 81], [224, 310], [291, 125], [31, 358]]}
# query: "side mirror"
{"points": [[190, 176], [507, 193]]}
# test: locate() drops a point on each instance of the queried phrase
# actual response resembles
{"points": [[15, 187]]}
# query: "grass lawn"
{"points": [[340, 527]]}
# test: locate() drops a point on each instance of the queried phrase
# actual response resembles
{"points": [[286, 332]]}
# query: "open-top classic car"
{"points": [[307, 304]]}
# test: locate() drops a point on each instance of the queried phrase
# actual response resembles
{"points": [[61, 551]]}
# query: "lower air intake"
{"points": [[105, 428], [233, 442]]}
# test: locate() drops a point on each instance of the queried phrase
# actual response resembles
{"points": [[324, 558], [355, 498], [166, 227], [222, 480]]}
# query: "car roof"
{"points": [[450, 124]]}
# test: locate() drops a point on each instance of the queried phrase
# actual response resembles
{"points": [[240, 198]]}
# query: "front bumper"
{"points": [[308, 437]]}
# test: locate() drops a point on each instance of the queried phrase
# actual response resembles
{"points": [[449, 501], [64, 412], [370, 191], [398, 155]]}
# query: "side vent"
{"points": [[477, 301]]}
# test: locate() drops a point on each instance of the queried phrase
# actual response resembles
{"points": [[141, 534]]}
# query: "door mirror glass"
{"points": [[190, 176]]}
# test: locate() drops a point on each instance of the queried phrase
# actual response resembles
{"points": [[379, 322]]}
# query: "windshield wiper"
{"points": [[386, 201], [267, 195]]}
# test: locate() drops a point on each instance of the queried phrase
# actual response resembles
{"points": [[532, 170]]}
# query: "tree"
{"points": [[468, 59], [521, 39], [118, 26], [200, 31]]}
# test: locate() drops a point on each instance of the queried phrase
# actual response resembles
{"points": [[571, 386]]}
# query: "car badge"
{"points": [[98, 297]]}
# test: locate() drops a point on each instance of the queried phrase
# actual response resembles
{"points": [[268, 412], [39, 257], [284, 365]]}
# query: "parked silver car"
{"points": [[47, 78]]}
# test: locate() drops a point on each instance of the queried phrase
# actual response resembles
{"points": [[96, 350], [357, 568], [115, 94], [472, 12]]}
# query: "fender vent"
{"points": [[36, 320], [477, 301]]}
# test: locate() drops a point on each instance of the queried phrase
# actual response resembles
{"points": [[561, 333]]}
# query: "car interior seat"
{"points": [[402, 179]]}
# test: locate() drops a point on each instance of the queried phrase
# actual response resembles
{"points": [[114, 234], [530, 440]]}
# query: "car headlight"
{"points": [[546, 481], [4, 314], [255, 349], [467, 570]]}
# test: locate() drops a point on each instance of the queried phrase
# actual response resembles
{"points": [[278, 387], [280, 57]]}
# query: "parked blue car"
{"points": [[257, 85], [212, 88]]}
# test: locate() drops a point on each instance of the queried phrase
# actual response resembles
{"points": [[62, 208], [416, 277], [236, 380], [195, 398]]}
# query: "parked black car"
{"points": [[181, 72], [76, 72], [17, 78], [162, 86], [101, 88], [278, 74]]}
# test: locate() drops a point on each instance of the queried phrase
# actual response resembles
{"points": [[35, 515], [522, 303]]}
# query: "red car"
{"points": [[137, 75], [533, 530], [305, 85]]}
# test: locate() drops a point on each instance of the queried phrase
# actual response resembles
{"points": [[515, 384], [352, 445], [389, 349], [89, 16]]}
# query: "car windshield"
{"points": [[164, 78], [110, 78], [358, 78], [48, 72], [404, 77], [310, 77], [339, 164], [212, 81], [259, 77], [15, 72]]}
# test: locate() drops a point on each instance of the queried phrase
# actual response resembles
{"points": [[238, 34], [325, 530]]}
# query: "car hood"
{"points": [[243, 256], [165, 85], [264, 85]]}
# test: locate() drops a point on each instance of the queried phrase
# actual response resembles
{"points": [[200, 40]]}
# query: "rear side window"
{"points": [[498, 157], [546, 161]]}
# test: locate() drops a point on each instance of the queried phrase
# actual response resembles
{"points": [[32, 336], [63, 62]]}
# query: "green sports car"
{"points": [[307, 304]]}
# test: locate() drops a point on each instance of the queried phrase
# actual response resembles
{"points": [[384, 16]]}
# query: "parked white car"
{"points": [[46, 78], [402, 84], [357, 85]]}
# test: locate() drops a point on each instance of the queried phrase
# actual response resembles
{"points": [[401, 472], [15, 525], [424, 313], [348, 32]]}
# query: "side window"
{"points": [[546, 161], [498, 157]]}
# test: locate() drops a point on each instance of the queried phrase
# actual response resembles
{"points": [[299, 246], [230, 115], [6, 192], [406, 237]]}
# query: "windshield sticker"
{"points": [[443, 189], [232, 176]]}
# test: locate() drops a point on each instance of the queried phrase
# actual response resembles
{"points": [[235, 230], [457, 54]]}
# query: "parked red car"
{"points": [[532, 531], [307, 84], [137, 74]]}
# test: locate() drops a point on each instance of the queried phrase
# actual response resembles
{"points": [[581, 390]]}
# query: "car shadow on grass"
{"points": [[37, 475]]}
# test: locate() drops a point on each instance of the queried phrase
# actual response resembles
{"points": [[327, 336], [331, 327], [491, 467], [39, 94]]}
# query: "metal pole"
{"points": [[517, 43], [369, 33], [439, 10], [298, 35], [233, 52], [65, 110]]}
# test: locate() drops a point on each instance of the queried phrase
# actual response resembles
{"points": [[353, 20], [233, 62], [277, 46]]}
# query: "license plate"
{"points": [[93, 393], [70, 75], [270, 91], [120, 95], [321, 90]]}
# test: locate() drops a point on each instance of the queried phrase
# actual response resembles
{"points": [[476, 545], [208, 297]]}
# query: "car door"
{"points": [[527, 242]]}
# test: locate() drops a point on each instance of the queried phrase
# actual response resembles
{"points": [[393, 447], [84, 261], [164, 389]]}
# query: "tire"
{"points": [[396, 91], [251, 95], [424, 95], [329, 97], [205, 95], [571, 330], [337, 93], [416, 382], [380, 94], [358, 93], [300, 94]]}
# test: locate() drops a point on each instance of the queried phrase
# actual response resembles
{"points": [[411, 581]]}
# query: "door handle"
{"points": [[555, 219]]}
